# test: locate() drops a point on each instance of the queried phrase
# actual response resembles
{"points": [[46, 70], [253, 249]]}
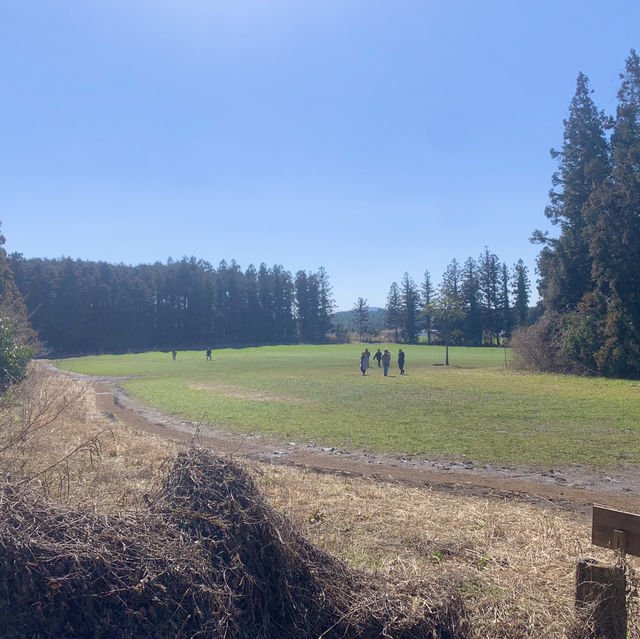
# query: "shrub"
{"points": [[540, 347], [14, 356]]}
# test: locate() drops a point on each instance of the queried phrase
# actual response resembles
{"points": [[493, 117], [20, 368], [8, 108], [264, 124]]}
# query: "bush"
{"points": [[540, 347], [14, 356]]}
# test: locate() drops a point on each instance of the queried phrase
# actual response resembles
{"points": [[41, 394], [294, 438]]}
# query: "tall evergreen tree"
{"points": [[505, 306], [450, 285], [361, 317], [470, 304], [326, 304], [565, 263], [614, 236], [520, 289], [393, 311], [489, 280], [427, 293], [409, 300]]}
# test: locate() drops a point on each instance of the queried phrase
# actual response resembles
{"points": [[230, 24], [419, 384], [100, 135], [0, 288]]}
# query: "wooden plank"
{"points": [[614, 528]]}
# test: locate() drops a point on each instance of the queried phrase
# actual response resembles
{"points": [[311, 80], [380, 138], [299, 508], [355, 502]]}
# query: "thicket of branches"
{"points": [[208, 558]]}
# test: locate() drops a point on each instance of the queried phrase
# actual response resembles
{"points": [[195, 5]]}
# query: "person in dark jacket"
{"points": [[378, 356], [386, 360], [401, 361]]}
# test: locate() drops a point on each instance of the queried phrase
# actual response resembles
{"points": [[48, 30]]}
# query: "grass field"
{"points": [[478, 408]]}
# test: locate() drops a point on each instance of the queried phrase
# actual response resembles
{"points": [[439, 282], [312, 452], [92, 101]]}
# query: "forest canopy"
{"points": [[92, 307]]}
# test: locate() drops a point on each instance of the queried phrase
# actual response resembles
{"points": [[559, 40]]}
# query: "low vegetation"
{"points": [[479, 408]]}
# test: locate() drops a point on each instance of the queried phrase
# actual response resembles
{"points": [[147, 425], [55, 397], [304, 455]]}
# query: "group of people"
{"points": [[174, 353], [383, 358]]}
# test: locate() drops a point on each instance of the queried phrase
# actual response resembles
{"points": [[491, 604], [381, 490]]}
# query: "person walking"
{"points": [[378, 357], [364, 362], [386, 360], [401, 361]]}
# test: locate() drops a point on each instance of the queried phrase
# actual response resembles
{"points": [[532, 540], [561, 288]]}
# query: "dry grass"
{"points": [[513, 562], [251, 395], [53, 436]]}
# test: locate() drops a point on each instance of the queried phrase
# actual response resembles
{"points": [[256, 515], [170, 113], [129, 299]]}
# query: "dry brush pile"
{"points": [[208, 558]]}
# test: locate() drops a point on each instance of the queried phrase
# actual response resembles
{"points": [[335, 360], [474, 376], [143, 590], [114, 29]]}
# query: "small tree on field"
{"points": [[447, 314]]}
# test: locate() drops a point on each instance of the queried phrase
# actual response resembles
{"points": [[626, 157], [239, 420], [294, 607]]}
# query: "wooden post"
{"points": [[601, 595], [601, 588]]}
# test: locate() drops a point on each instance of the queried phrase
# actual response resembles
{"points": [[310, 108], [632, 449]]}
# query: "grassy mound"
{"points": [[208, 559]]}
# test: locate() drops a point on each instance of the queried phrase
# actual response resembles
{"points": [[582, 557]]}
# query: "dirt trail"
{"points": [[570, 488]]}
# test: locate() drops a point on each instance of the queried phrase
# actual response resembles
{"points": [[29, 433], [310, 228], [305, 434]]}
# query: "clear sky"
{"points": [[369, 137]]}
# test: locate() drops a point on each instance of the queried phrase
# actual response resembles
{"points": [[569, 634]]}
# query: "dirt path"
{"points": [[570, 488]]}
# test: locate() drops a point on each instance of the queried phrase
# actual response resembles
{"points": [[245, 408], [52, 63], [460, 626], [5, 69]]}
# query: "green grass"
{"points": [[477, 408]]}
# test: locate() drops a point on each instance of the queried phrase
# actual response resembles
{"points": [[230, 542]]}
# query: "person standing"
{"points": [[378, 356], [209, 352], [364, 362], [401, 361], [386, 360], [173, 354]]}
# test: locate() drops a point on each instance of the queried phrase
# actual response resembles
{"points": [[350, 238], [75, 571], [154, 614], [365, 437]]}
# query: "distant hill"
{"points": [[347, 319]]}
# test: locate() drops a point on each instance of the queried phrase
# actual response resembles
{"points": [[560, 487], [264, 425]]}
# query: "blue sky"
{"points": [[371, 138]]}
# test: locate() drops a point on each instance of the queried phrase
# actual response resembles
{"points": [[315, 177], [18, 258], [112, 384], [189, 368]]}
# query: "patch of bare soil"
{"points": [[236, 392], [574, 488]]}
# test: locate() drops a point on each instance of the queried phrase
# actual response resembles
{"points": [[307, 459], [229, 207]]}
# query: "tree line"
{"points": [[477, 302], [589, 279], [79, 306]]}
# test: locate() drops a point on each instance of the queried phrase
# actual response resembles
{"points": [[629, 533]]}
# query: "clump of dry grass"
{"points": [[514, 562]]}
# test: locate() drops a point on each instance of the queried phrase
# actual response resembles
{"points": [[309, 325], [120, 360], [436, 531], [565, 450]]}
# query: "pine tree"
{"points": [[565, 263], [520, 289], [427, 294], [470, 298], [507, 320], [409, 300], [361, 317], [450, 285], [326, 304], [614, 235], [489, 287], [393, 311]]}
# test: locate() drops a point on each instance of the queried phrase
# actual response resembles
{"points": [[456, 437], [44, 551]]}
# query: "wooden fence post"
{"points": [[601, 592]]}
